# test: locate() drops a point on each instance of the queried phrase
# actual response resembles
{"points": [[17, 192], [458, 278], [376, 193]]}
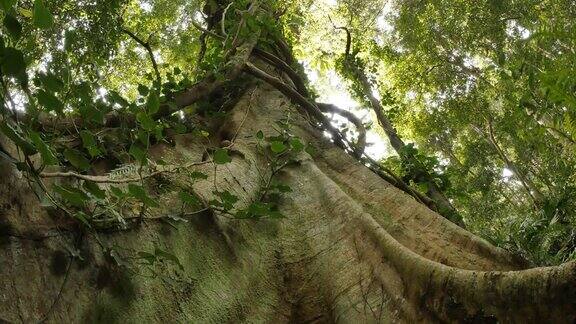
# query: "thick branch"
{"points": [[281, 64], [297, 98], [361, 143], [348, 37], [311, 108], [348, 41]]}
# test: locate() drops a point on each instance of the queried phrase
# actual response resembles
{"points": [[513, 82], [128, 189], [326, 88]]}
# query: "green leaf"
{"points": [[77, 159], [115, 97], [138, 153], [13, 63], [13, 26], [90, 143], [260, 135], [282, 188], [7, 4], [18, 139], [143, 90], [221, 156], [275, 214], [197, 175], [25, 12], [254, 210], [91, 113], [227, 196], [117, 192], [50, 102], [41, 17], [227, 200], [277, 147], [139, 193], [153, 103], [149, 257], [168, 256], [146, 121], [188, 198], [296, 145], [51, 82], [94, 189], [423, 187], [144, 138], [47, 155], [74, 196], [311, 150]]}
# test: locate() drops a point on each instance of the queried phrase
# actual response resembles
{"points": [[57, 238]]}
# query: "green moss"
{"points": [[102, 312]]}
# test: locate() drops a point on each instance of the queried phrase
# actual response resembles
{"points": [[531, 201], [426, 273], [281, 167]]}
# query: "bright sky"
{"points": [[334, 91]]}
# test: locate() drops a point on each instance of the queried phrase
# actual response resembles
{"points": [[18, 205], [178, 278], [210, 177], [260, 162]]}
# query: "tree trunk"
{"points": [[351, 249]]}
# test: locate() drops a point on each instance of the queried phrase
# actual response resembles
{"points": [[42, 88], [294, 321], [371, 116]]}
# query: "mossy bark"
{"points": [[352, 249]]}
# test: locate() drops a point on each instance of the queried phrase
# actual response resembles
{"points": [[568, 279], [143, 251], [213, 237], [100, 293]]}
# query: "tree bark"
{"points": [[351, 249]]}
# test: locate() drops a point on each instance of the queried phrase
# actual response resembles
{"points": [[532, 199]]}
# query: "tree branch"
{"points": [[297, 98], [223, 20], [361, 143], [348, 37], [146, 45], [108, 179], [282, 65], [531, 189]]}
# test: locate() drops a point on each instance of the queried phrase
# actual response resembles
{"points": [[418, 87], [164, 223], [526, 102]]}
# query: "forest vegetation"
{"points": [[292, 161]]}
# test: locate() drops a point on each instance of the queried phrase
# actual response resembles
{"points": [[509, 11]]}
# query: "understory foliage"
{"points": [[483, 94]]}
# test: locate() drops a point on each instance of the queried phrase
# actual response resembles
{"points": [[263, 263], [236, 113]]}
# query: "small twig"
{"points": [[223, 21], [243, 119], [206, 31], [45, 318]]}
